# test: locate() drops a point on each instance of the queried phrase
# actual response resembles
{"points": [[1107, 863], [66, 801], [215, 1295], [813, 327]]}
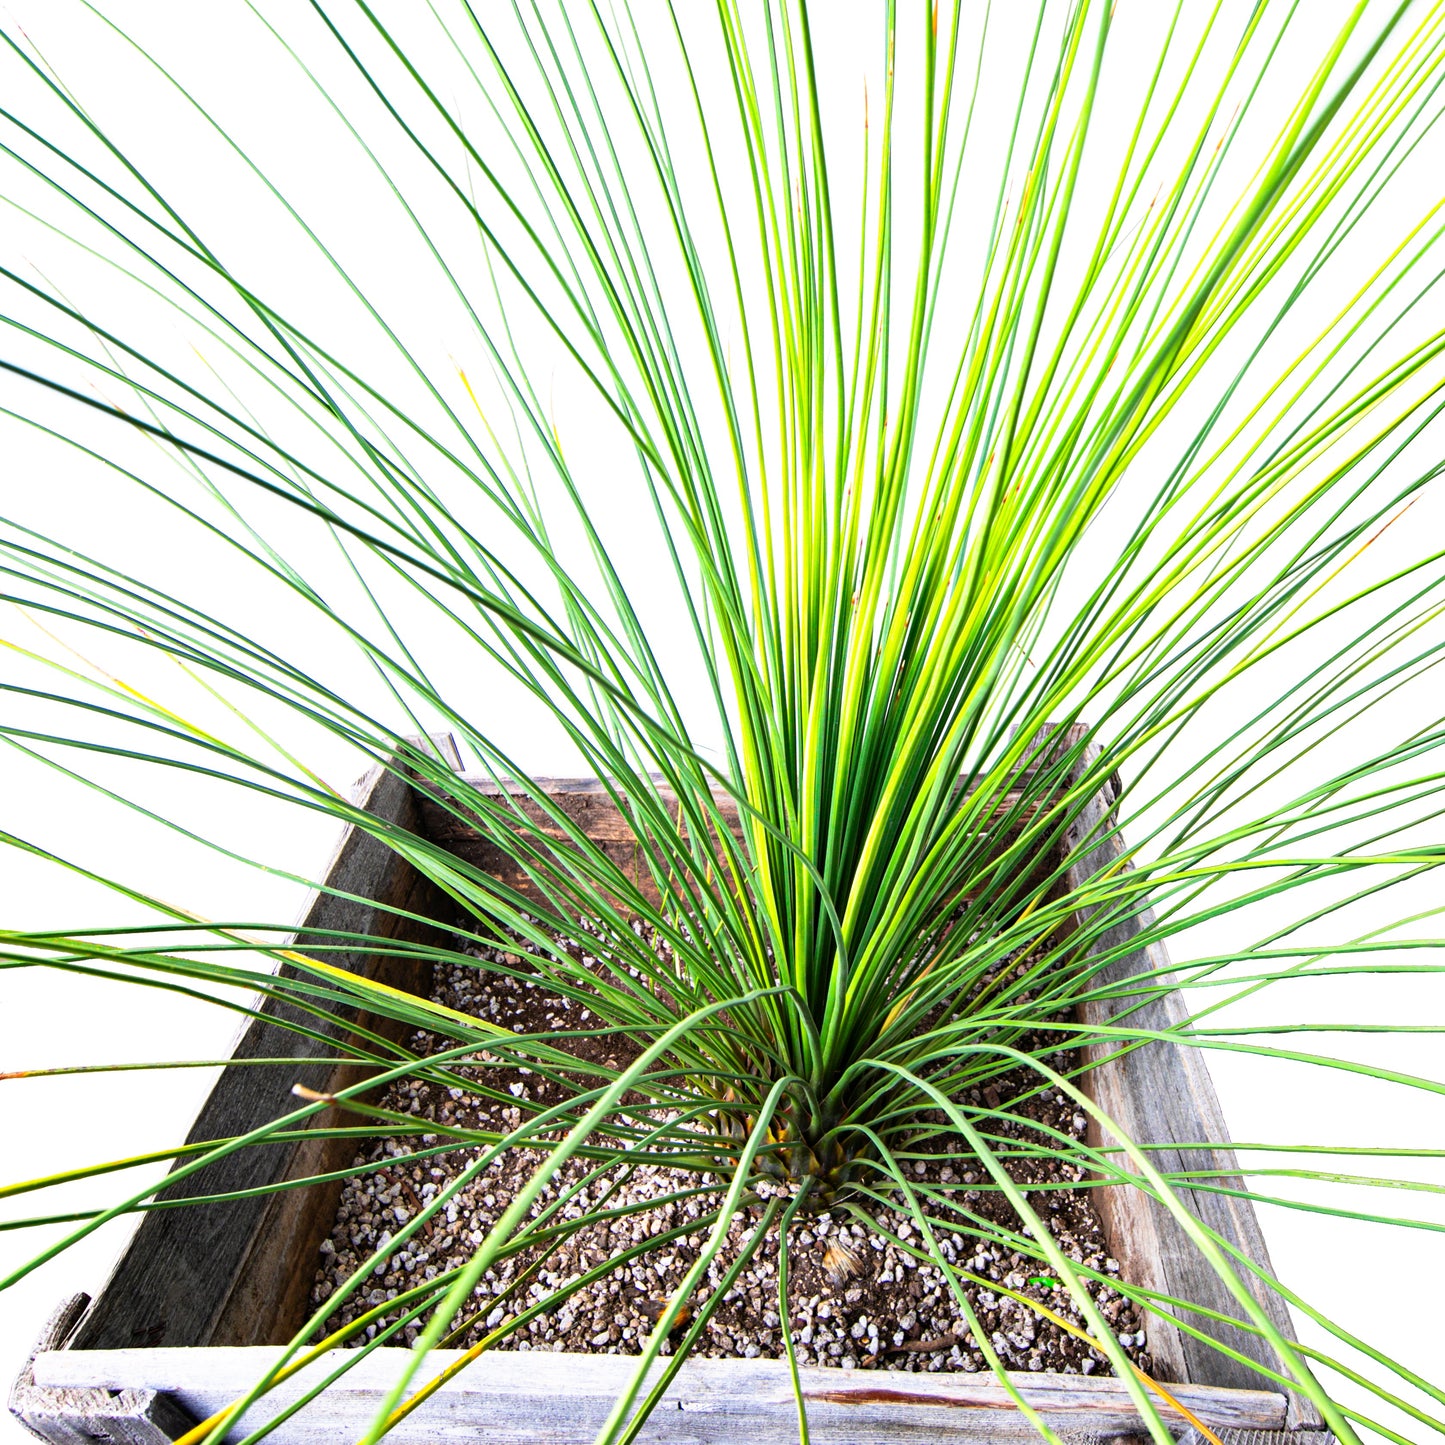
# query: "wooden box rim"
{"points": [[148, 1394]]}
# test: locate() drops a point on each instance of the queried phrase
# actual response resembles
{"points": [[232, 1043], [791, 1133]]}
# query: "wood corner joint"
{"points": [[63, 1415]]}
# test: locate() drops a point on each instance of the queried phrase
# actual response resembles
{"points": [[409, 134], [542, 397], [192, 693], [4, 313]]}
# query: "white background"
{"points": [[1385, 1287]]}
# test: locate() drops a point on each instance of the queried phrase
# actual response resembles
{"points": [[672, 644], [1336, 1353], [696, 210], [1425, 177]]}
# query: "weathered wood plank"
{"points": [[586, 803], [442, 746], [1162, 1093], [562, 1399], [1259, 1437], [83, 1414], [239, 1272]]}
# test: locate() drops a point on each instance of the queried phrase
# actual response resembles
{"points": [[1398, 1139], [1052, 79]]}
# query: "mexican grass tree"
{"points": [[858, 435]]}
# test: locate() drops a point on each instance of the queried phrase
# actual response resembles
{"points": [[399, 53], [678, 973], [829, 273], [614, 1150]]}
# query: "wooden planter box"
{"points": [[203, 1297]]}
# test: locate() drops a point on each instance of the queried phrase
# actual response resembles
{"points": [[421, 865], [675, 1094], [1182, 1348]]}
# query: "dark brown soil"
{"points": [[855, 1298]]}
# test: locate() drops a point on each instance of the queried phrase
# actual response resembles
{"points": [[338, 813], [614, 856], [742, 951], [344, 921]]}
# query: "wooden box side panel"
{"points": [[590, 807], [239, 1272], [563, 1399], [1162, 1094], [584, 802]]}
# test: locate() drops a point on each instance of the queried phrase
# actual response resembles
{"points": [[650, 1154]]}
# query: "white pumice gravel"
{"points": [[888, 1310]]}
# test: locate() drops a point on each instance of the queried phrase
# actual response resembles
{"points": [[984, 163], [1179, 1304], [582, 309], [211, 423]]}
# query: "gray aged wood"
{"points": [[563, 1399], [83, 1414], [442, 746], [586, 803], [1258, 1437], [239, 1272], [1162, 1093]]}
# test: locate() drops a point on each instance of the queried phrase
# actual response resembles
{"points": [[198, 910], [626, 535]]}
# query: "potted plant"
{"points": [[975, 478]]}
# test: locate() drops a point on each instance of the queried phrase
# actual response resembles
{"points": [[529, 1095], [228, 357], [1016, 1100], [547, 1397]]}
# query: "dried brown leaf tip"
{"points": [[840, 1263]]}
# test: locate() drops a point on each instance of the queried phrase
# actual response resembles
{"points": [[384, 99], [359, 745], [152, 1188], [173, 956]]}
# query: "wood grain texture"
{"points": [[1259, 1437], [1161, 1093], [239, 1272], [561, 1399], [587, 804], [83, 1414]]}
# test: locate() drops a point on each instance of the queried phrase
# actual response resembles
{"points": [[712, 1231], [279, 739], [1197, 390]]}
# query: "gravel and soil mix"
{"points": [[855, 1299]]}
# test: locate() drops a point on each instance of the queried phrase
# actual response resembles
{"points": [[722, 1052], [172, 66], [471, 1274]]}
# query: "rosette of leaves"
{"points": [[934, 453]]}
